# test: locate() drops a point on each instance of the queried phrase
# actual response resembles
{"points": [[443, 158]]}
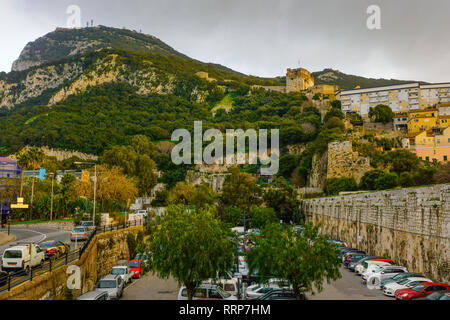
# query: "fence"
{"points": [[13, 279]]}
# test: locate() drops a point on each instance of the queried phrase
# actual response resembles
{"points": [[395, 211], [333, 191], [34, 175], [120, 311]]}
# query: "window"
{"points": [[427, 158], [445, 158], [214, 294]]}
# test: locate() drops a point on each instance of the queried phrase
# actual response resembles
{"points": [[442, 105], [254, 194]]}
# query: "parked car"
{"points": [[281, 294], [258, 292], [227, 282], [381, 273], [420, 291], [124, 271], [350, 253], [361, 268], [206, 291], [79, 233], [22, 257], [352, 267], [344, 250], [142, 256], [53, 248], [89, 225], [137, 266], [94, 295], [399, 277], [390, 288], [338, 243], [111, 283], [438, 295], [353, 258]]}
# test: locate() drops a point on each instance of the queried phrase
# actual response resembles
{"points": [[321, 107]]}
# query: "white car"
{"points": [[382, 273], [124, 272], [372, 268], [258, 292], [23, 257], [227, 282], [390, 288], [206, 291], [361, 268]]}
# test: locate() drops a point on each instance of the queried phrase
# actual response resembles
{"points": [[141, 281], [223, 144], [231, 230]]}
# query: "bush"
{"points": [[368, 179], [260, 216], [406, 179], [386, 181], [132, 244], [335, 185]]}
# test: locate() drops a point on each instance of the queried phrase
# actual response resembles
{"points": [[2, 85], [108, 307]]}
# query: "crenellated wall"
{"points": [[411, 226]]}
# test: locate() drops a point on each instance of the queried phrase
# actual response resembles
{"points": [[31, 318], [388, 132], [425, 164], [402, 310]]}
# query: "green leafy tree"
{"points": [[190, 246], [304, 259], [405, 179], [387, 180], [335, 185], [239, 189], [282, 198], [260, 216], [36, 157], [381, 113], [368, 179]]}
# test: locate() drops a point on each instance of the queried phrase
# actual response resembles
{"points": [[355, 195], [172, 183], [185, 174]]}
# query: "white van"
{"points": [[18, 258]]}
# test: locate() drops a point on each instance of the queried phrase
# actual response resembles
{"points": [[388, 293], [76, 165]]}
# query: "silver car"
{"points": [[79, 233], [94, 295], [111, 283]]}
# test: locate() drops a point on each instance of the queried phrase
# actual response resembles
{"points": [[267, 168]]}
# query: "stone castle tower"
{"points": [[298, 79]]}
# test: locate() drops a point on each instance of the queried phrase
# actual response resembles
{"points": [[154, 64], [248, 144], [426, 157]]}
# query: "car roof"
{"points": [[110, 277], [91, 294], [418, 279], [22, 247]]}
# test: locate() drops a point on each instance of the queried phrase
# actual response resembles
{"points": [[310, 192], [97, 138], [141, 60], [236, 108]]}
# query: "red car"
{"points": [[137, 267], [420, 290]]}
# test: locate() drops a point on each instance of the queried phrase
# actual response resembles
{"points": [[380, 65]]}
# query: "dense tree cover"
{"points": [[381, 113], [190, 246], [240, 190], [335, 185], [304, 259]]}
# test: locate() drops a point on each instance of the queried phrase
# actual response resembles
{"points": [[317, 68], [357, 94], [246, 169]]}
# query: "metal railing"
{"points": [[13, 279]]}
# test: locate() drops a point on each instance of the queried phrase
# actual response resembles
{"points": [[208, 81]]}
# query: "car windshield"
{"points": [[418, 287], [12, 254], [103, 284], [78, 230], [377, 268], [398, 277], [48, 244], [223, 293], [118, 271], [133, 264], [403, 281], [434, 296]]}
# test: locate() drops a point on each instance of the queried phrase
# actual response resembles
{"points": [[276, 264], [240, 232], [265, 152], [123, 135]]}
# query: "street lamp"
{"points": [[95, 184], [51, 201]]}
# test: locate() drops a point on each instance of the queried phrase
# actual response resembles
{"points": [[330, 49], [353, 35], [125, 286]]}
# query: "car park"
{"points": [[206, 291], [399, 277], [79, 233], [390, 288], [53, 248], [124, 272], [420, 291], [258, 292], [112, 284], [361, 268], [137, 266], [226, 281], [94, 295], [22, 258]]}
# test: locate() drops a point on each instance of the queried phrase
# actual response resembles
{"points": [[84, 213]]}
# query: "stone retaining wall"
{"points": [[411, 226]]}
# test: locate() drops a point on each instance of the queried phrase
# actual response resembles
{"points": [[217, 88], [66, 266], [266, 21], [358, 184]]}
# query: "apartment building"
{"points": [[400, 98], [433, 144]]}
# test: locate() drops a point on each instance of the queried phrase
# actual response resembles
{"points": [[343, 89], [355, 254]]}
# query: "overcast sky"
{"points": [[262, 37]]}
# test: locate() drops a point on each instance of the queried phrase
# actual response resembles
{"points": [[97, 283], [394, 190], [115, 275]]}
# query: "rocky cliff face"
{"points": [[63, 43]]}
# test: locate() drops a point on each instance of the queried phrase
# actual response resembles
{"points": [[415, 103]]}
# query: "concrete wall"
{"points": [[104, 251], [411, 226], [63, 226]]}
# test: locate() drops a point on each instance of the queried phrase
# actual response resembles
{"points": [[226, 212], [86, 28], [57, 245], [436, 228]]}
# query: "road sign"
{"points": [[19, 204]]}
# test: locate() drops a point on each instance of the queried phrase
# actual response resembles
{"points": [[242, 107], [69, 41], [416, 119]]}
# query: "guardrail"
{"points": [[16, 278]]}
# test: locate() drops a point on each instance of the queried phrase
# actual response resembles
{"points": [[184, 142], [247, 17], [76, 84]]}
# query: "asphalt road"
{"points": [[348, 287]]}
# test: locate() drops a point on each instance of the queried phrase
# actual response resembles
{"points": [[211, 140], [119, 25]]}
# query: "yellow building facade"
{"points": [[431, 144]]}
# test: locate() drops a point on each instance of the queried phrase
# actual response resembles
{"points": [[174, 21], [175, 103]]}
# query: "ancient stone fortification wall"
{"points": [[344, 162], [411, 226], [104, 251]]}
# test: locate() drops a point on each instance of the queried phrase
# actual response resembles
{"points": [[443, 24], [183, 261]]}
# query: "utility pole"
{"points": [[95, 189], [51, 201]]}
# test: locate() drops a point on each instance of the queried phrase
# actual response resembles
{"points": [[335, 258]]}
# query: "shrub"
{"points": [[368, 179], [335, 185], [386, 181]]}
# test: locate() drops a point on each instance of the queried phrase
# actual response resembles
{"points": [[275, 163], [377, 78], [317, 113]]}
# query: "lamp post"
{"points": [[51, 201], [95, 185]]}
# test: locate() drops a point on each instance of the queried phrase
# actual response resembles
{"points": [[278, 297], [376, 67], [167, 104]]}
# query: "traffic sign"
{"points": [[19, 204]]}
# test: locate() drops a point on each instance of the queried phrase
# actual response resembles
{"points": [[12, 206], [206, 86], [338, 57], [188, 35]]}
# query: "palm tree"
{"points": [[36, 156], [23, 160]]}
